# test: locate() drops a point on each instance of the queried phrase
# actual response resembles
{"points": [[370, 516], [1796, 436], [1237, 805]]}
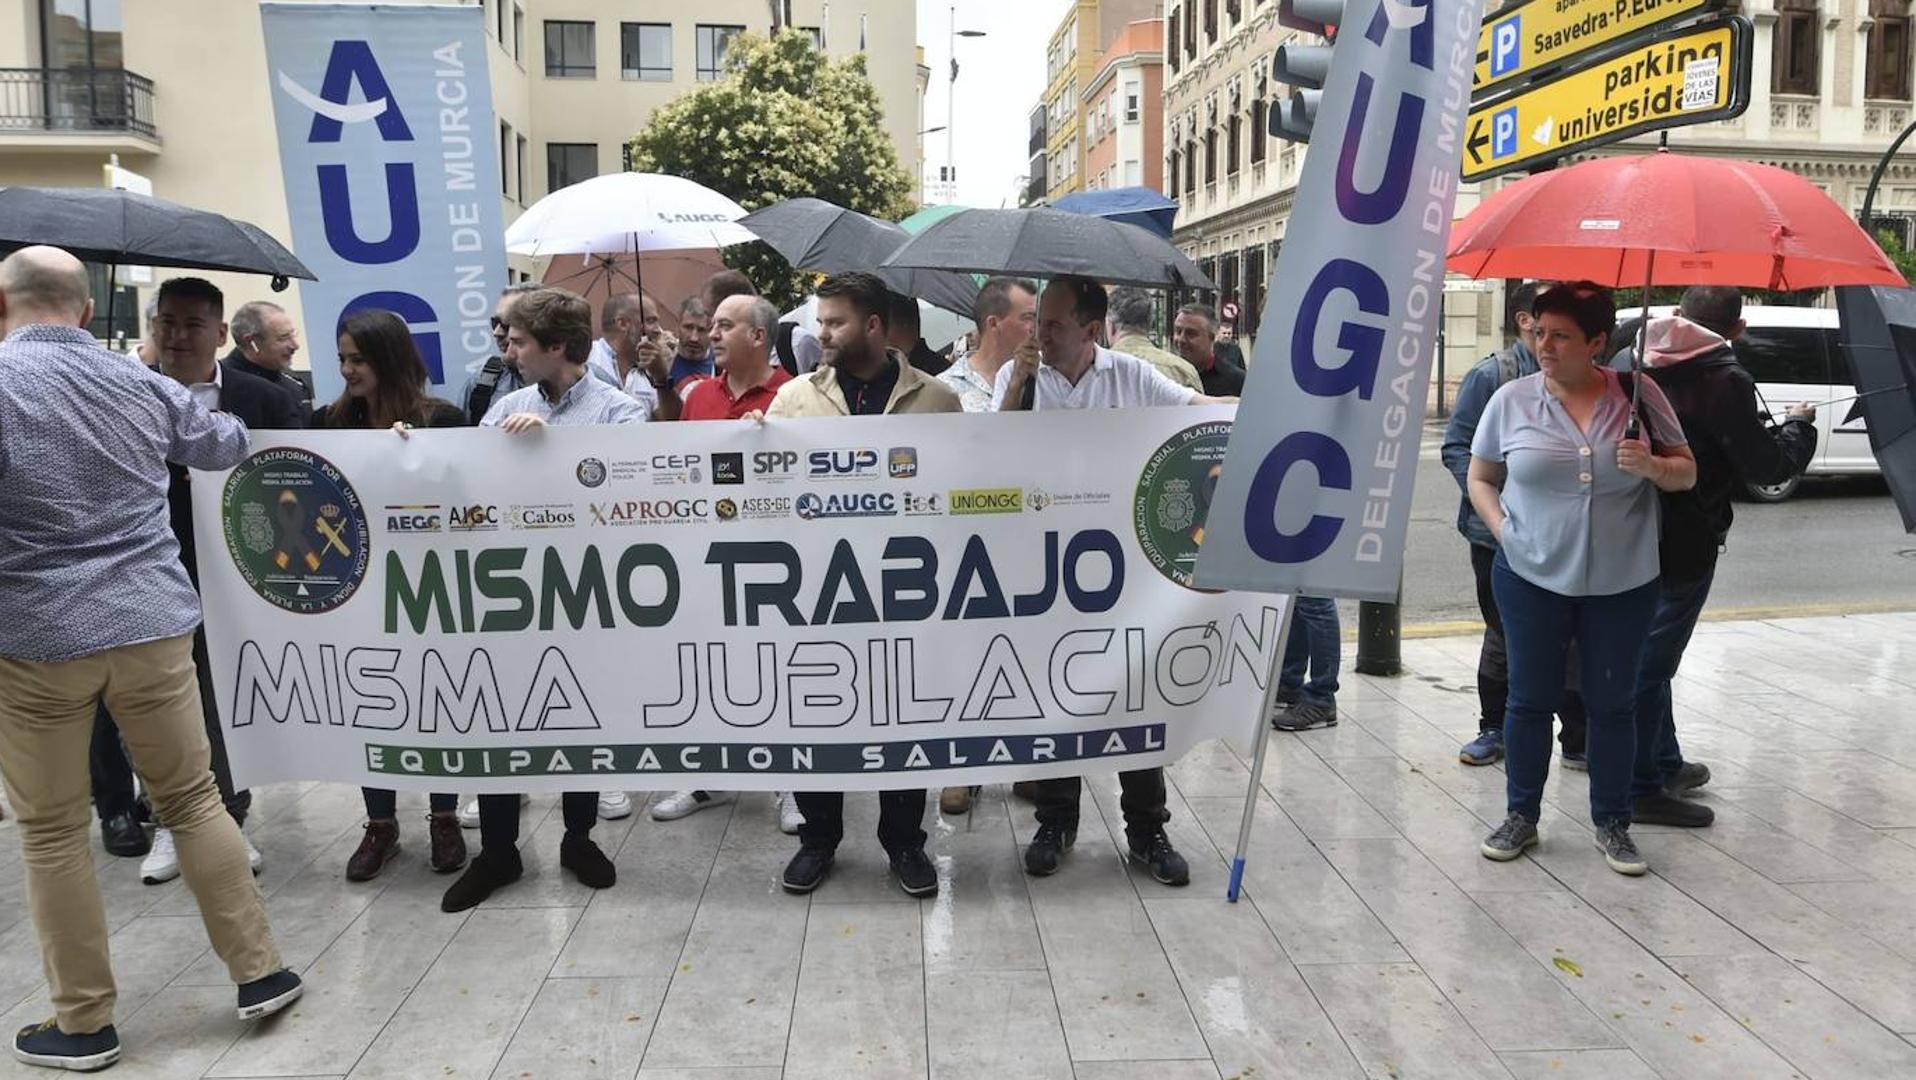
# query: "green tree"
{"points": [[784, 122], [1904, 259]]}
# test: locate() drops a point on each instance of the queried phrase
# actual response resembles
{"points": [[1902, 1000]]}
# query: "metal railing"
{"points": [[75, 99]]}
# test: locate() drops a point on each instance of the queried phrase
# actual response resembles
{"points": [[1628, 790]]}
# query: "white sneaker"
{"points": [[683, 803], [253, 858], [162, 862], [790, 819], [469, 813], [614, 805]]}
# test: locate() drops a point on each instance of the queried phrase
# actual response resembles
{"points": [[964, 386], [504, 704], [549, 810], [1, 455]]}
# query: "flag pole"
{"points": [[1263, 745]]}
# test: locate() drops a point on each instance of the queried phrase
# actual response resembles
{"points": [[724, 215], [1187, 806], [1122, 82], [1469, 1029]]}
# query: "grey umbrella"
{"points": [[820, 236], [105, 225], [1042, 242], [1879, 338]]}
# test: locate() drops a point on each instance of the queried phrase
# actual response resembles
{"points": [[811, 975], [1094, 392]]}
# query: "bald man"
{"points": [[99, 610]]}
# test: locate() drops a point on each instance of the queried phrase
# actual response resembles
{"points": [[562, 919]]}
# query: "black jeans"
{"points": [[113, 773], [1659, 754], [901, 819], [382, 804], [1493, 666], [499, 818], [1141, 798]]}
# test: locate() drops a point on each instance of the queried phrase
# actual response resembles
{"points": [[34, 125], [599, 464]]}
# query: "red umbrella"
{"points": [[1678, 220]]}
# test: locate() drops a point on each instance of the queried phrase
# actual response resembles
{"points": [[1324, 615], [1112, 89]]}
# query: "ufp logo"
{"points": [[902, 462], [858, 464], [1506, 46]]}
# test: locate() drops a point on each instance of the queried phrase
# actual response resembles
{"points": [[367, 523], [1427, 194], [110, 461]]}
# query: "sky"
{"points": [[999, 79]]}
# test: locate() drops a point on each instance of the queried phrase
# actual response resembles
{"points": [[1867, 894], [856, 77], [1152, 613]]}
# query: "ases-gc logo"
{"points": [[591, 472], [295, 530]]}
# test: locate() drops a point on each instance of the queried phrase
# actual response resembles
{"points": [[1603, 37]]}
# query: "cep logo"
{"points": [[676, 462], [413, 519], [774, 463], [1506, 46], [856, 464]]}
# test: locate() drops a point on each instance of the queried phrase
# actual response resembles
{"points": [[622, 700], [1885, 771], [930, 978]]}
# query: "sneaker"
{"points": [[448, 843], [1576, 761], [686, 803], [1306, 715], [1670, 810], [916, 874], [254, 860], [1486, 749], [587, 862], [1510, 839], [1284, 700], [614, 805], [45, 1044], [264, 997], [469, 813], [1619, 850], [807, 870], [378, 847], [955, 801], [1046, 852], [485, 875], [790, 817], [1156, 853], [122, 836], [1689, 776], [162, 863]]}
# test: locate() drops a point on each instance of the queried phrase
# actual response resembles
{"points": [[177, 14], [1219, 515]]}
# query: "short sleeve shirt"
{"points": [[1574, 523], [974, 390], [711, 399], [1115, 381]]}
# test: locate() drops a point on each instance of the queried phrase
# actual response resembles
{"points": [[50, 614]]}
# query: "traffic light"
{"points": [[1318, 17], [1305, 67]]}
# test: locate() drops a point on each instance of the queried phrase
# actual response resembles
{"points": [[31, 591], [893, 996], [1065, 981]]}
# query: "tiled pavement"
{"points": [[1374, 941]]}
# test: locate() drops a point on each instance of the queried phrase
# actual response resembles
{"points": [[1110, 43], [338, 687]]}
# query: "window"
{"points": [[1171, 173], [518, 34], [519, 168], [1210, 22], [1233, 140], [645, 52], [1133, 172], [1210, 156], [1886, 74], [817, 35], [569, 163], [1780, 354], [1253, 288], [1171, 55], [1797, 47], [1260, 139], [499, 23], [1190, 167], [81, 40], [505, 159], [713, 41], [569, 50], [1190, 34], [1131, 106], [1235, 9]]}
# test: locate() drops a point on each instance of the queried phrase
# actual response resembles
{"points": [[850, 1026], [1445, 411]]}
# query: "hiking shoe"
{"points": [[121, 835], [916, 874], [1670, 810], [790, 817], [45, 1044], [614, 805], [264, 997], [162, 862], [686, 803], [1486, 749], [1156, 853], [955, 801], [807, 870], [1619, 850], [1306, 715], [448, 843], [485, 875], [1576, 761], [1689, 776], [1047, 848], [1510, 839], [587, 862], [378, 847]]}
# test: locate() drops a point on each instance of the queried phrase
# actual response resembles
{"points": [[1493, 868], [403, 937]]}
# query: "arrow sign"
{"points": [[1690, 76], [1535, 36]]}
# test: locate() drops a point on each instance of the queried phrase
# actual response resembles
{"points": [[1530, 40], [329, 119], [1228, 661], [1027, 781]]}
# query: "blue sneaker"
{"points": [[46, 1045], [1486, 749]]}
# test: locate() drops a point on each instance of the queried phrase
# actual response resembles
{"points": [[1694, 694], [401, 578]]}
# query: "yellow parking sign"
{"points": [[1527, 38]]}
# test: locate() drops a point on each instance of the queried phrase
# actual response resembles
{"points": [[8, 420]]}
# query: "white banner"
{"points": [[1316, 498], [857, 603]]}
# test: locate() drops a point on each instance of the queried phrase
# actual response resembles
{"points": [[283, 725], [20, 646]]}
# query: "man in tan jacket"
{"points": [[861, 376], [1131, 312]]}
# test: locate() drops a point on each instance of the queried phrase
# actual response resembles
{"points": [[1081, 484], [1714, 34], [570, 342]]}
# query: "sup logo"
{"points": [[295, 530], [1174, 497]]}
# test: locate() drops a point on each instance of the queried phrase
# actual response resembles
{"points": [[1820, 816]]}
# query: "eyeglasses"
{"points": [[498, 324]]}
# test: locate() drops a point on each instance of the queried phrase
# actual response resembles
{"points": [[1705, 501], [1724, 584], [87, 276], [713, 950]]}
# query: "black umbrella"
{"points": [[1042, 242], [105, 225], [1879, 337], [816, 235]]}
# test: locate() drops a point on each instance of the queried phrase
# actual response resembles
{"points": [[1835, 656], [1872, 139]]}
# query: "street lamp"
{"points": [[951, 90]]}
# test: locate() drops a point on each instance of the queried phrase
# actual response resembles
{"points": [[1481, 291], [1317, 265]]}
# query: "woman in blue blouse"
{"points": [[1572, 501]]}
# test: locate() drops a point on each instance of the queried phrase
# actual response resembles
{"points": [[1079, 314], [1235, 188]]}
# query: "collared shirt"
{"points": [[1223, 378], [863, 398], [1174, 367], [1115, 380], [974, 390], [638, 387], [711, 399], [88, 561], [604, 362], [208, 393], [683, 369], [588, 401], [1574, 523]]}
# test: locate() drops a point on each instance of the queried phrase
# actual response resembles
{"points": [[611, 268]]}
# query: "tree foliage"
{"points": [[1904, 259], [785, 121]]}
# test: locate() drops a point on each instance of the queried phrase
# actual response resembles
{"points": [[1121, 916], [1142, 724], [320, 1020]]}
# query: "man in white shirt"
{"points": [[1078, 373], [629, 345], [1007, 315]]}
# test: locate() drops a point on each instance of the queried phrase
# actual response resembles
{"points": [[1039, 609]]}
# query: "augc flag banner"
{"points": [[1316, 491], [815, 604]]}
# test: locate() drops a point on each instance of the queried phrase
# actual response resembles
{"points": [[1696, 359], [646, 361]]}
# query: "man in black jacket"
{"points": [[1690, 357], [264, 344]]}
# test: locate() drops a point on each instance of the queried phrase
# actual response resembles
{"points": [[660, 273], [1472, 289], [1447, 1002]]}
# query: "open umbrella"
{"points": [[1042, 242], [1879, 337], [816, 235], [1140, 206], [107, 225], [622, 213]]}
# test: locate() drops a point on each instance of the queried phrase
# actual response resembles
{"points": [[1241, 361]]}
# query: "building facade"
{"points": [[1124, 111], [180, 92], [1088, 28]]}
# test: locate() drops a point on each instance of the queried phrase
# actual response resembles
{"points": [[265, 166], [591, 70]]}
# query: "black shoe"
{"points": [[916, 875], [1689, 776], [807, 870], [583, 857], [486, 874], [264, 997], [1306, 715], [1669, 810], [45, 1044], [123, 836], [1046, 852], [1166, 865]]}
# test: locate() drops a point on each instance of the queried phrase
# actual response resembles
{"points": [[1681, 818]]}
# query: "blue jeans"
{"points": [[1679, 603], [1317, 641], [1539, 626]]}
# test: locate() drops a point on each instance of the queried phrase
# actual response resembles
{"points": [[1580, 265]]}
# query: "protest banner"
{"points": [[859, 603]]}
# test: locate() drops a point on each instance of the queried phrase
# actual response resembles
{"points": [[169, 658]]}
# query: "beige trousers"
{"points": [[46, 724]]}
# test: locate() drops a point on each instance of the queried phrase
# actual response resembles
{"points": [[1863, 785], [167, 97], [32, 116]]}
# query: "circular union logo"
{"points": [[809, 506], [726, 508], [295, 530], [591, 472], [1174, 495]]}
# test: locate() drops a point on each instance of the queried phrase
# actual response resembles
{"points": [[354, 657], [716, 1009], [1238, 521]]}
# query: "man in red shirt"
{"points": [[743, 329]]}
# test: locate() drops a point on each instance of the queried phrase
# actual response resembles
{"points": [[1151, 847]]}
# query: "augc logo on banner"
{"points": [[391, 183]]}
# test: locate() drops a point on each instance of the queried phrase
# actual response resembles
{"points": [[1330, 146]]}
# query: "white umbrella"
{"points": [[627, 213], [937, 326]]}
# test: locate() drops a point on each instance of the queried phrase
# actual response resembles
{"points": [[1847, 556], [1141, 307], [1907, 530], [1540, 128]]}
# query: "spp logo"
{"points": [[1506, 46], [775, 465], [813, 507], [728, 468], [413, 519], [472, 518], [858, 464], [902, 462]]}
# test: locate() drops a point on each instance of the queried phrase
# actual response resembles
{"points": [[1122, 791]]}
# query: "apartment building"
{"points": [[1088, 28], [1124, 111]]}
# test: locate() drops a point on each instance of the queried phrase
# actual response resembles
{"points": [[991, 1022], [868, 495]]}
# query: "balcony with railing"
{"points": [[91, 109]]}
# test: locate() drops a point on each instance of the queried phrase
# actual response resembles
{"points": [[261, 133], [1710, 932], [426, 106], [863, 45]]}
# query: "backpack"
{"points": [[484, 386], [1687, 540]]}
